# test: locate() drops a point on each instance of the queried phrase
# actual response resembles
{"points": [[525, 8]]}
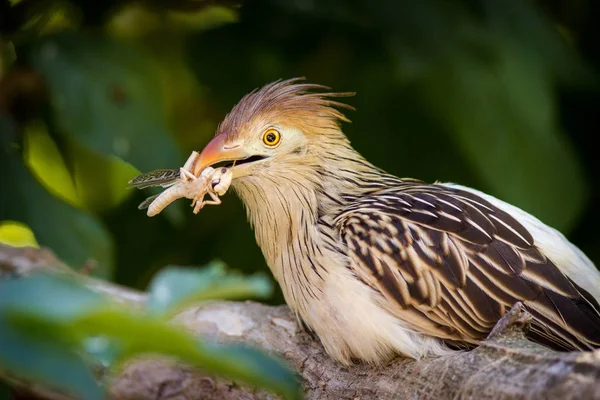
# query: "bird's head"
{"points": [[275, 130], [290, 161]]}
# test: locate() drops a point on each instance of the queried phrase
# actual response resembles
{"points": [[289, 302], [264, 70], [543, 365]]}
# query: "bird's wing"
{"points": [[158, 177], [449, 264]]}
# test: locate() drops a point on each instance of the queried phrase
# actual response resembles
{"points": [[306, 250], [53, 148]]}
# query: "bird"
{"points": [[379, 266]]}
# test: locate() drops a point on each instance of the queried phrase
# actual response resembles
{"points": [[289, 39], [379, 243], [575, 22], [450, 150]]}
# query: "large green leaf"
{"points": [[52, 363], [107, 96], [176, 287], [60, 297], [143, 334], [76, 236], [56, 316], [256, 367], [95, 182], [35, 349]]}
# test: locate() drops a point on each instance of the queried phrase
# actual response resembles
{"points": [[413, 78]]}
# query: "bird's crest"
{"points": [[306, 105]]}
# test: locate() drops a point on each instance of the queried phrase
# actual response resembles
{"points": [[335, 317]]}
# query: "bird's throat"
{"points": [[284, 215], [291, 211]]}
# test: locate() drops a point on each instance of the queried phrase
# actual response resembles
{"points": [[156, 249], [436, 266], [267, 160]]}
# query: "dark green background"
{"points": [[497, 95]]}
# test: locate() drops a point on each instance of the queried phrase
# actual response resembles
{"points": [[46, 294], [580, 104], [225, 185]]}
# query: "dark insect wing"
{"points": [[146, 203], [450, 263], [158, 177]]}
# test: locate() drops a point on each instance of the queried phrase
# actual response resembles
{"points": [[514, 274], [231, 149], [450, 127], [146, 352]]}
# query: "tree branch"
{"points": [[506, 365]]}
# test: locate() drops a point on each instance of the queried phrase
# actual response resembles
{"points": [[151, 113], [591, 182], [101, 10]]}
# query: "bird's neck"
{"points": [[291, 211], [283, 213]]}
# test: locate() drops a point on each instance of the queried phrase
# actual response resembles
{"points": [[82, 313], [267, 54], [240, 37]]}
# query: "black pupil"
{"points": [[271, 137]]}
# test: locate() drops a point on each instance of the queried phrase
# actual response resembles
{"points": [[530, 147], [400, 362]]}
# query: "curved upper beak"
{"points": [[217, 151]]}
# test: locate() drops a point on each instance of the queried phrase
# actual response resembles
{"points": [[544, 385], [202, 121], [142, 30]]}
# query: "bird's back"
{"points": [[449, 262]]}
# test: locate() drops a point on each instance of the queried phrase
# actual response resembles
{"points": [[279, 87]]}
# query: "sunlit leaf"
{"points": [[73, 234], [207, 18], [44, 159], [176, 287], [134, 20], [106, 97], [17, 234], [98, 182]]}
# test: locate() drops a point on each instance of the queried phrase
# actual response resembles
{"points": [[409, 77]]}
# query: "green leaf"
{"points": [[59, 297], [17, 234], [76, 236], [107, 96], [46, 159], [55, 315], [175, 287], [142, 334], [257, 367], [93, 181], [52, 363], [35, 313], [134, 20]]}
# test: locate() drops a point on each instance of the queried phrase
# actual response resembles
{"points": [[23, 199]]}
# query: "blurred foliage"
{"points": [[52, 327], [497, 95], [76, 235], [17, 234], [192, 286]]}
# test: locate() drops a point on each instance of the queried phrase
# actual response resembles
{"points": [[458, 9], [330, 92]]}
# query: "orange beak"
{"points": [[217, 151]]}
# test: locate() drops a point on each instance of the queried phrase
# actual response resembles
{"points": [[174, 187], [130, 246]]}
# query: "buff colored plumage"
{"points": [[377, 265]]}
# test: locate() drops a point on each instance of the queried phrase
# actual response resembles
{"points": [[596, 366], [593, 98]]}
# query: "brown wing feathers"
{"points": [[452, 263]]}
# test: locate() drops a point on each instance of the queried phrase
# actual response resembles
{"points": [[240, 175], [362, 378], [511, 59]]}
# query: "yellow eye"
{"points": [[271, 137]]}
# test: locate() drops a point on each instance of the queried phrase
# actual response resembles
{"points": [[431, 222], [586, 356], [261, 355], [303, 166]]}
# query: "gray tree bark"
{"points": [[505, 366]]}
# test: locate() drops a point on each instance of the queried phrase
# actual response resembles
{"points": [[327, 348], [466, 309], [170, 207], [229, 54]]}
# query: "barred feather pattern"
{"points": [[450, 264]]}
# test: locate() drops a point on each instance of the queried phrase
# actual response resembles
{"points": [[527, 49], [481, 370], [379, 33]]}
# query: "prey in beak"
{"points": [[182, 183]]}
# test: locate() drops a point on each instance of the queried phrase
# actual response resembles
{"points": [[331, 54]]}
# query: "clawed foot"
{"points": [[220, 180], [516, 319]]}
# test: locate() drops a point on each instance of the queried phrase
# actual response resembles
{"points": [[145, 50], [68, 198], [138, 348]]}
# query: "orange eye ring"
{"points": [[271, 137]]}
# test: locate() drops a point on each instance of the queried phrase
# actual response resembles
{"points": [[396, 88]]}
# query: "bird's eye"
{"points": [[271, 137]]}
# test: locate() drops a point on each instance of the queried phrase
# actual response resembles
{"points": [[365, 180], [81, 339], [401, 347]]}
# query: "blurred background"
{"points": [[502, 96]]}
